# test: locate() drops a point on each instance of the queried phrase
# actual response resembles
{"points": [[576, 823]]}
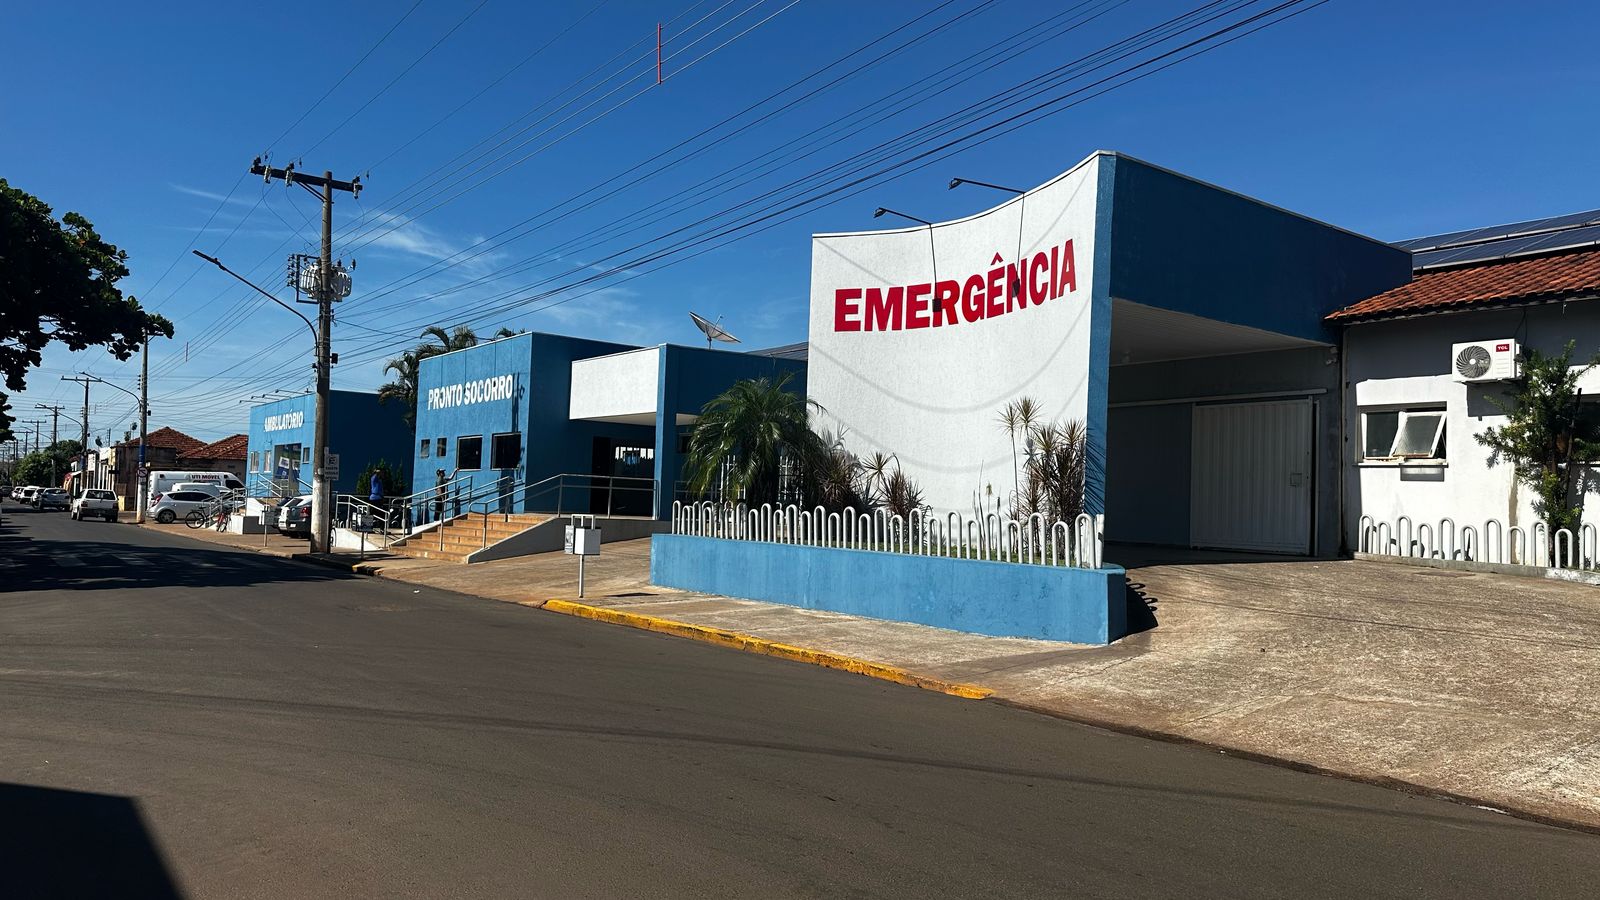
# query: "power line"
{"points": [[347, 72], [707, 241], [403, 72]]}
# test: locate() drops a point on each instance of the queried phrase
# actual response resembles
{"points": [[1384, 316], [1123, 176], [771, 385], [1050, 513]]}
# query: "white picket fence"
{"points": [[1032, 541], [1533, 545]]}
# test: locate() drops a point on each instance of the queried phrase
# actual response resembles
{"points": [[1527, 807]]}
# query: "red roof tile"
{"points": [[169, 437], [1566, 275], [233, 447]]}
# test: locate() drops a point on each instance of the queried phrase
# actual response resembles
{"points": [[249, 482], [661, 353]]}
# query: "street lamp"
{"points": [[321, 500], [878, 214], [1022, 210], [936, 303], [957, 182]]}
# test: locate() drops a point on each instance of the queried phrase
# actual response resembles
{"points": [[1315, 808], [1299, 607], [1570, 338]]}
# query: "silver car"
{"points": [[174, 505]]}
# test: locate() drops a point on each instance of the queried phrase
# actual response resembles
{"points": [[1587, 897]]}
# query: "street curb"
{"points": [[1283, 762], [355, 568], [753, 644]]}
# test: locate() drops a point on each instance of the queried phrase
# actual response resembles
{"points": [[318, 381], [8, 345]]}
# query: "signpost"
{"points": [[582, 541]]}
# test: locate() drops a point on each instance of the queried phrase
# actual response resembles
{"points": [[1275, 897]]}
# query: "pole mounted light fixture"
{"points": [[878, 213], [933, 252], [218, 263], [957, 182]]}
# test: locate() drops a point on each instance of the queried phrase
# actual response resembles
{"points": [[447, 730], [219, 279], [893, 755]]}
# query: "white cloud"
{"points": [[209, 195]]}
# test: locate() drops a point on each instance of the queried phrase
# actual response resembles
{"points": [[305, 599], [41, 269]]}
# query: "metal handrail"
{"points": [[558, 483], [383, 516]]}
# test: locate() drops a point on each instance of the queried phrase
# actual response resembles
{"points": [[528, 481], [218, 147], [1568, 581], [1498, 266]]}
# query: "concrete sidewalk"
{"points": [[1478, 686]]}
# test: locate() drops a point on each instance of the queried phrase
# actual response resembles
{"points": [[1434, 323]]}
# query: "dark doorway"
{"points": [[622, 473]]}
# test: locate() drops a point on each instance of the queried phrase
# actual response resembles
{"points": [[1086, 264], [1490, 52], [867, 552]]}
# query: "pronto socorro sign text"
{"points": [[1005, 288], [483, 390]]}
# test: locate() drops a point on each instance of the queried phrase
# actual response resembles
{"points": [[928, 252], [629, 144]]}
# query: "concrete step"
{"points": [[432, 553], [464, 536]]}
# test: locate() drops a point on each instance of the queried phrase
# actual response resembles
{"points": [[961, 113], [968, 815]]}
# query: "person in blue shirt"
{"points": [[377, 489]]}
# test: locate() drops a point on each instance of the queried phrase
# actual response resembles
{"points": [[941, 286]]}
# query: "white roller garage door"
{"points": [[1250, 484]]}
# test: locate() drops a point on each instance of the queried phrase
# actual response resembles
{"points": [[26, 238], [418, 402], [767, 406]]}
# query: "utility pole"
{"points": [[55, 421], [143, 397], [143, 478], [83, 448], [325, 289]]}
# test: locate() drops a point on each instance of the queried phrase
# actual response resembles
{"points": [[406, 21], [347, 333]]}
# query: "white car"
{"points": [[95, 503], [174, 505], [29, 493]]}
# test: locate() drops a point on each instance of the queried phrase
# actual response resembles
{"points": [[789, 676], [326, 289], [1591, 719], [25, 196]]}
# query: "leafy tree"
{"points": [[388, 477], [58, 283], [1546, 439], [46, 467], [743, 437]]}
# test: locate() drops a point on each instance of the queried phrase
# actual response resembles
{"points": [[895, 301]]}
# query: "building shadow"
{"points": [[57, 843], [1134, 556], [29, 564]]}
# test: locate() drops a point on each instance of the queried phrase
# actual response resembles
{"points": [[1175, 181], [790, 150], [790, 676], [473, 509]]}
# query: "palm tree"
{"points": [[403, 389], [743, 435], [448, 341]]}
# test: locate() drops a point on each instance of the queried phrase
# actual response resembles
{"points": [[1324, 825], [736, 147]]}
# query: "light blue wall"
{"points": [[1054, 603], [360, 429]]}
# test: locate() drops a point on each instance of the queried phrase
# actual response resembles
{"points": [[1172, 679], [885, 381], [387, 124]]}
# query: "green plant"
{"points": [[388, 476], [835, 479], [1546, 439], [1052, 470], [744, 435]]}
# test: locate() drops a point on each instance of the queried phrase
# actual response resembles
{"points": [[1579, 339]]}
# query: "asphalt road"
{"points": [[179, 718]]}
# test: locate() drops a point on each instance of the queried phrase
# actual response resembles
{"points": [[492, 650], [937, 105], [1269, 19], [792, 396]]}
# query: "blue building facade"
{"points": [[512, 416], [361, 431]]}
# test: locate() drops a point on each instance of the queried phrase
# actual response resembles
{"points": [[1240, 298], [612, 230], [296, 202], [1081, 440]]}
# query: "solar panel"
{"points": [[1501, 241]]}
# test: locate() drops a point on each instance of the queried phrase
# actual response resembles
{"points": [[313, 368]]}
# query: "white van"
{"points": [[162, 482]]}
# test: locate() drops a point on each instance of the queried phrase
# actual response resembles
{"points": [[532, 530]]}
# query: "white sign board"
{"points": [[331, 470], [581, 541], [920, 336]]}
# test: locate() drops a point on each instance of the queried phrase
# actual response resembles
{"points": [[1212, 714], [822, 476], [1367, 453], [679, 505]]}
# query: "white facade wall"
{"points": [[930, 394], [618, 386], [1408, 363]]}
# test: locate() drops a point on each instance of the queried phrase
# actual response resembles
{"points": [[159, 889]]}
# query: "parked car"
{"points": [[95, 503], [28, 493], [204, 487], [174, 505], [53, 498], [294, 516]]}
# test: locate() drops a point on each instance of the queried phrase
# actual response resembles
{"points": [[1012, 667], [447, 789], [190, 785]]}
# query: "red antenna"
{"points": [[658, 53]]}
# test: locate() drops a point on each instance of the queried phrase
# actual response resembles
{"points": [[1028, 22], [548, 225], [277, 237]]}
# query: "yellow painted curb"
{"points": [[753, 644]]}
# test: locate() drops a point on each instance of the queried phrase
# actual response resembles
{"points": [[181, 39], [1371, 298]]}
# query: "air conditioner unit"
{"points": [[1485, 361]]}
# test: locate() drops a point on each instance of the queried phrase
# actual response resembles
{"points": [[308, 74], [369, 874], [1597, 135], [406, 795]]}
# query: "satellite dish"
{"points": [[712, 330]]}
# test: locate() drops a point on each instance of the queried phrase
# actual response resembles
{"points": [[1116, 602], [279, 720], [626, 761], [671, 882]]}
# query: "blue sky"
{"points": [[1392, 119]]}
